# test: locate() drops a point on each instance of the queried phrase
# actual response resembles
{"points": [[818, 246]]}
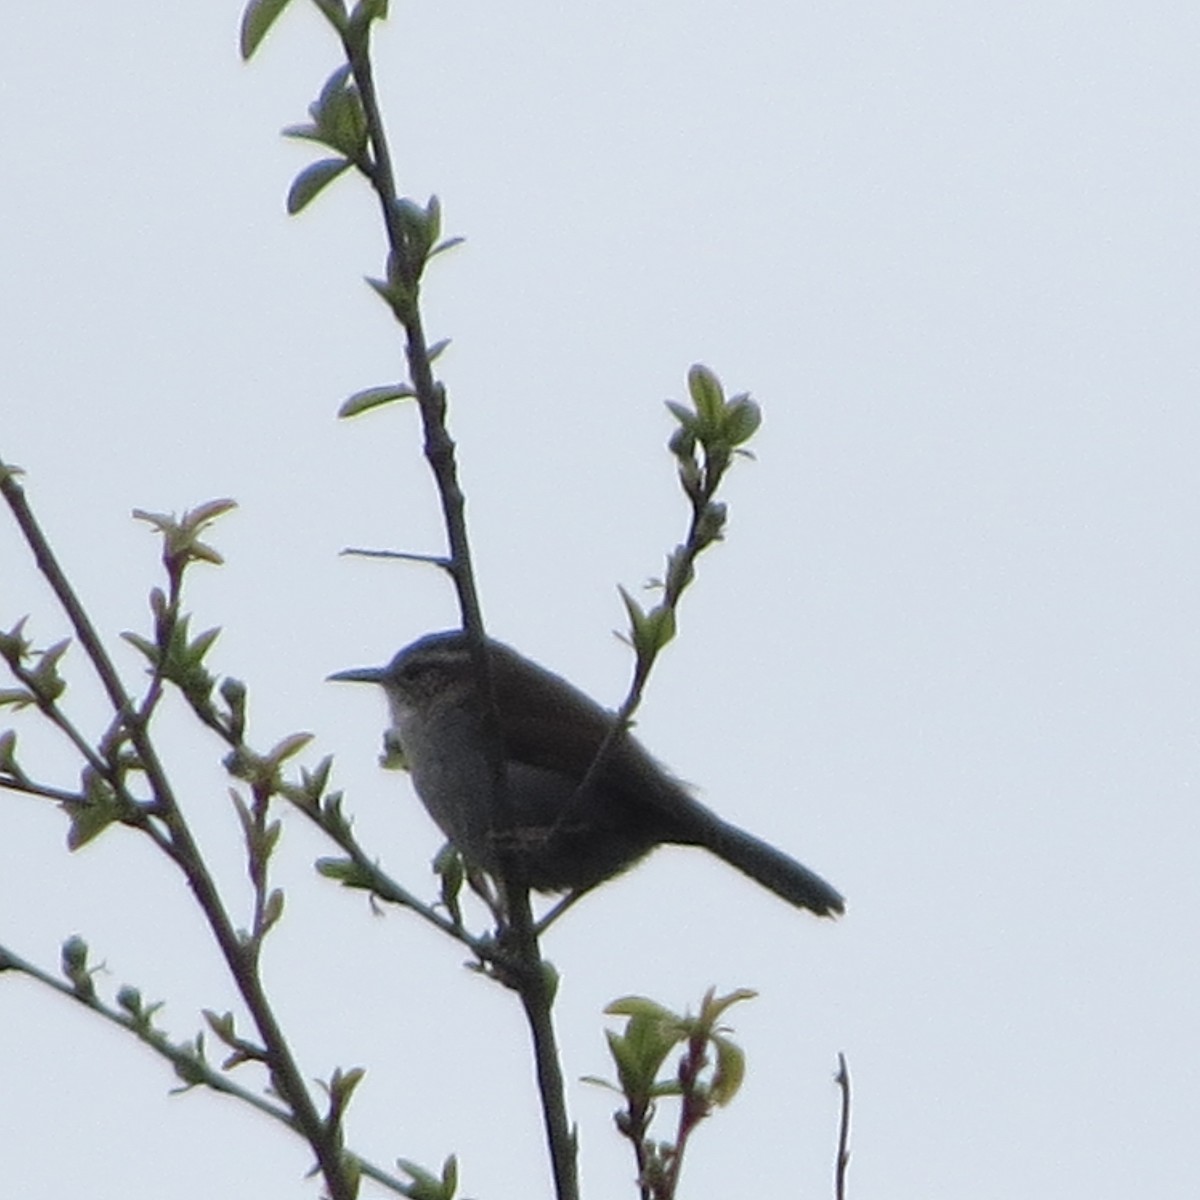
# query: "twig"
{"points": [[842, 1079], [186, 1061], [433, 560]]}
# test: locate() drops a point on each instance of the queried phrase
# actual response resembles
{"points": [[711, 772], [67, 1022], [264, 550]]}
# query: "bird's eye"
{"points": [[424, 670]]}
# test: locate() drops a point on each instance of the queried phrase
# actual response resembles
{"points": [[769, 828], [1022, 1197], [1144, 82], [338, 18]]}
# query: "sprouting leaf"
{"points": [[707, 395], [346, 872], [374, 397], [312, 181], [741, 421], [731, 1070], [181, 537], [258, 18]]}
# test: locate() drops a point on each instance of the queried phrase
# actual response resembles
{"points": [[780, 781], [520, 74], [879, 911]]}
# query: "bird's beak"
{"points": [[358, 675]]}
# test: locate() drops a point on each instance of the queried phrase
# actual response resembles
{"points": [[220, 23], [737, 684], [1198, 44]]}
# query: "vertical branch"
{"points": [[842, 1079], [537, 998], [532, 981], [430, 394]]}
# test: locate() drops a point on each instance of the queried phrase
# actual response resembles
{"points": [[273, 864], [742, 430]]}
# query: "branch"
{"points": [[842, 1079], [186, 1059], [405, 265], [181, 848]]}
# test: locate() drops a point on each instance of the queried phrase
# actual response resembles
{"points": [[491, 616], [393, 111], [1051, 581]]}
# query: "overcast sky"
{"points": [[947, 656]]}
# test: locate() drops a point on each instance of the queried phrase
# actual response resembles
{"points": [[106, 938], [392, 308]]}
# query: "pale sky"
{"points": [[947, 657]]}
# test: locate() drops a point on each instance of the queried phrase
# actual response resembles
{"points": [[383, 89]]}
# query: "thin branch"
{"points": [[27, 787], [536, 990], [842, 1079], [47, 563], [188, 1065], [50, 710], [694, 544], [434, 560], [381, 884]]}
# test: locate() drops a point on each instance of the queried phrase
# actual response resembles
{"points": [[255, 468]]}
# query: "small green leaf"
{"points": [[270, 840], [710, 527], [205, 514], [637, 616], [181, 538], [14, 646], [312, 180], [433, 219], [189, 1064], [639, 1006], [307, 133], [222, 1025], [88, 821], [450, 1175], [272, 910], [680, 571], [233, 692], [649, 631], [707, 395], [684, 415], [75, 967], [316, 780], [332, 816], [287, 748], [130, 999], [148, 648], [446, 244], [344, 123], [450, 869], [714, 1006], [417, 227], [342, 1084], [741, 421], [397, 295], [334, 12], [731, 1070], [427, 1186], [92, 813], [661, 620], [346, 872], [374, 397], [44, 679], [256, 21]]}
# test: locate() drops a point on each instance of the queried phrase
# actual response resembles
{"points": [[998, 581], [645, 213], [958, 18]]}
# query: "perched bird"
{"points": [[559, 838]]}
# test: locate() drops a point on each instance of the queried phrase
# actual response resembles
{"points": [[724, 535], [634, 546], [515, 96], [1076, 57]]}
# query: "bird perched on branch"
{"points": [[557, 837]]}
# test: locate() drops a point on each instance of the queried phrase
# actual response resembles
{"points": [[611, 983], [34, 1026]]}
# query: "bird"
{"points": [[558, 838]]}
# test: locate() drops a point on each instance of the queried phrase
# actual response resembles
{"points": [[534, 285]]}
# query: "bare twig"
{"points": [[842, 1079], [432, 560]]}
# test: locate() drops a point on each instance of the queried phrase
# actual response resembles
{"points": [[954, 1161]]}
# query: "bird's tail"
{"points": [[788, 879]]}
